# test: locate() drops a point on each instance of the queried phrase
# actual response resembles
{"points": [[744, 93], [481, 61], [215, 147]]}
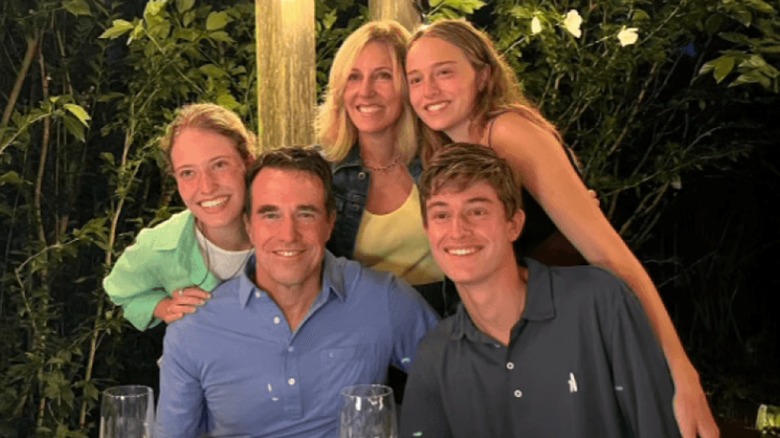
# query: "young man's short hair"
{"points": [[460, 165]]}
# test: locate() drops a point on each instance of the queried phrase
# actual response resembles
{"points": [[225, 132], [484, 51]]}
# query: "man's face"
{"points": [[471, 238], [288, 226]]}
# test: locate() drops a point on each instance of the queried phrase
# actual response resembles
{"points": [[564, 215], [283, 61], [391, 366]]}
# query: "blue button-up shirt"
{"points": [[234, 368]]}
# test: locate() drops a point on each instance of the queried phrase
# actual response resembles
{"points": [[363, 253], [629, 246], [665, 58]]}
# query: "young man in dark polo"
{"points": [[533, 350]]}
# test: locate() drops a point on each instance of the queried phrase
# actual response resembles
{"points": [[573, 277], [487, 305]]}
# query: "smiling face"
{"points": [[209, 174], [372, 95], [470, 235], [443, 86], [288, 226]]}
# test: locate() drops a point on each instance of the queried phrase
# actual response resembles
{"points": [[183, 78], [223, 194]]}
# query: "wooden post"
{"points": [[287, 72], [402, 11]]}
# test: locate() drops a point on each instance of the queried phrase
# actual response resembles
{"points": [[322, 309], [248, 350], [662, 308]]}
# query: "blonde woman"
{"points": [[368, 131]]}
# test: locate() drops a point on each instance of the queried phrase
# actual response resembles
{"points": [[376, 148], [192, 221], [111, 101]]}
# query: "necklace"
{"points": [[384, 168]]}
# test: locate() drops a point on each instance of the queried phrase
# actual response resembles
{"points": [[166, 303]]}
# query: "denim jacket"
{"points": [[350, 185]]}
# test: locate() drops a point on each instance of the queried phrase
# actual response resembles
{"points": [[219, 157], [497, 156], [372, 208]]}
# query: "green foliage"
{"points": [[452, 8], [752, 30], [333, 24]]}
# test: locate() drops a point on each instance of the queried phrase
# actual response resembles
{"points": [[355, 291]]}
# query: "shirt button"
{"points": [[258, 294], [290, 349], [291, 381], [277, 320], [362, 175], [518, 393], [510, 366]]}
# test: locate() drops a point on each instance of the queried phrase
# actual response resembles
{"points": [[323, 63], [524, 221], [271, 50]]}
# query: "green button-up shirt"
{"points": [[161, 260]]}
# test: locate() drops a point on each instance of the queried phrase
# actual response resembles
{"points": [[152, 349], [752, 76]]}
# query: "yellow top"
{"points": [[396, 242]]}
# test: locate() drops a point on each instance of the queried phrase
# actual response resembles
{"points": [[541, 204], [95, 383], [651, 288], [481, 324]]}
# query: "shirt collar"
{"points": [[332, 280], [539, 305]]}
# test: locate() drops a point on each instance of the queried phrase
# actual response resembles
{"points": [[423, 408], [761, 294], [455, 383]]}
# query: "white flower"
{"points": [[572, 23], [627, 36], [536, 26]]}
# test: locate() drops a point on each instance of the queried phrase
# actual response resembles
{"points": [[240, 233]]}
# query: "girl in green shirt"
{"points": [[171, 268]]}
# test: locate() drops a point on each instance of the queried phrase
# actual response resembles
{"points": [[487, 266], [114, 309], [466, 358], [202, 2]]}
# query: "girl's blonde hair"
{"points": [[213, 118], [335, 131], [502, 91]]}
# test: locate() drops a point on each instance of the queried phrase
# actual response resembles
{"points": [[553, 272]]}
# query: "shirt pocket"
{"points": [[351, 365]]}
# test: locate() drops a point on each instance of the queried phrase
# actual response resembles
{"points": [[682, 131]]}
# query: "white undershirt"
{"points": [[222, 263]]}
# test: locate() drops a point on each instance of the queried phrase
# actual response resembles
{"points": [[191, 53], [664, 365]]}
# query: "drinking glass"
{"points": [[368, 411], [127, 412]]}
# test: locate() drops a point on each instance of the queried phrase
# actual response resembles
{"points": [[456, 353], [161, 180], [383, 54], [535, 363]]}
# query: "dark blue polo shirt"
{"points": [[581, 362]]}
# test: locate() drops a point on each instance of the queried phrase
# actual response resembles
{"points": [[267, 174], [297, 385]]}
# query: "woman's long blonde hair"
{"points": [[335, 131], [502, 90]]}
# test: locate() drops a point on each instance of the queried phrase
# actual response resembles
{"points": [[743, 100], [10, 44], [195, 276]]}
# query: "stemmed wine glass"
{"points": [[368, 411], [127, 412]]}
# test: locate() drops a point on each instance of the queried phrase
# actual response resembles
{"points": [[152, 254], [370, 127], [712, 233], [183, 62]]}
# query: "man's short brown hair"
{"points": [[297, 158]]}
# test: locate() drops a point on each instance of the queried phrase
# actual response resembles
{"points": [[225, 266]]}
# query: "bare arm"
{"points": [[546, 173]]}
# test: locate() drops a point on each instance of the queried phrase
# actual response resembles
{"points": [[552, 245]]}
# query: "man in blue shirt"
{"points": [[270, 352], [533, 350]]}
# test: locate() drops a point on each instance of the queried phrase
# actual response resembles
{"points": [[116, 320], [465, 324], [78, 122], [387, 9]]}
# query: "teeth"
{"points": [[368, 109], [214, 202], [462, 251], [436, 106], [287, 253]]}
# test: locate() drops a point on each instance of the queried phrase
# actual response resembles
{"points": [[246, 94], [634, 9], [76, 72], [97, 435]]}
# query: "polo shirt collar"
{"points": [[332, 280], [539, 305]]}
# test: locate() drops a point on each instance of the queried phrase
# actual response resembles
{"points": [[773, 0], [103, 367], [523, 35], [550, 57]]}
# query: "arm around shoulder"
{"points": [[547, 174], [134, 285], [642, 380]]}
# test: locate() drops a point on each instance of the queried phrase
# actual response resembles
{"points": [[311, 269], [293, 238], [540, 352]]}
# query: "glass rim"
{"points": [[383, 390], [128, 391]]}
